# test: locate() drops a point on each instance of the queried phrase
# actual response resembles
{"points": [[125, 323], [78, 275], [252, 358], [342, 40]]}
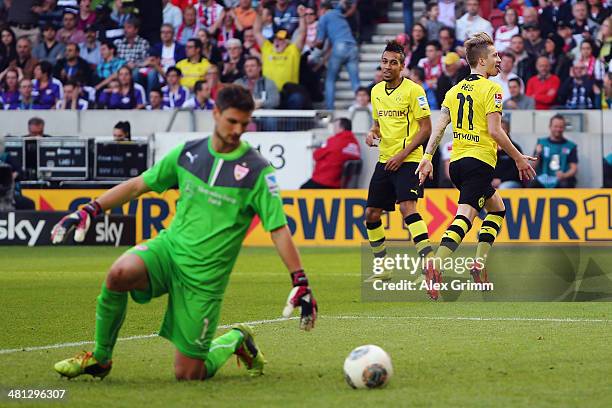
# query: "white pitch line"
{"points": [[282, 319], [140, 337], [477, 319]]}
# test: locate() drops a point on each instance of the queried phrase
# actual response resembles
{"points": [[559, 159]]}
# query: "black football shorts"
{"points": [[473, 178], [390, 187]]}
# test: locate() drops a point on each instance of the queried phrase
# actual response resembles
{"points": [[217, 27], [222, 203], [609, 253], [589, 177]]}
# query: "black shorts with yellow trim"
{"points": [[390, 187], [473, 178]]}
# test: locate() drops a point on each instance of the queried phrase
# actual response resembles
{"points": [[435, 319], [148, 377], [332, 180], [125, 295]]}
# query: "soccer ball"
{"points": [[368, 367]]}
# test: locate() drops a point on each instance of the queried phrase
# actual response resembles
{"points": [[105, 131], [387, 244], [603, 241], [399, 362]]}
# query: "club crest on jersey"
{"points": [[187, 190], [498, 100], [240, 172], [481, 202]]}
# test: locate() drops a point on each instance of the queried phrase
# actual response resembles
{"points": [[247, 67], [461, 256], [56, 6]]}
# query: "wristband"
{"points": [[428, 156], [93, 208], [298, 278]]}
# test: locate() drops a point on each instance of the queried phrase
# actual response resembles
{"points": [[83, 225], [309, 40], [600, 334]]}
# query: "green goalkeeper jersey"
{"points": [[220, 193]]}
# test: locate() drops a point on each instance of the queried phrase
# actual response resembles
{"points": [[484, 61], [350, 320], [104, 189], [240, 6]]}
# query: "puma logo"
{"points": [[415, 192], [191, 157]]}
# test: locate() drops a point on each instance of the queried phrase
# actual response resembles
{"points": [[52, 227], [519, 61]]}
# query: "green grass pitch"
{"points": [[47, 296]]}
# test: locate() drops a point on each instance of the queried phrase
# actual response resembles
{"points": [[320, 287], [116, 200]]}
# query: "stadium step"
{"points": [[342, 104], [368, 66], [396, 6], [345, 95], [346, 85], [391, 29], [371, 48], [419, 8], [382, 39], [396, 16], [396, 11], [364, 75], [369, 54]]}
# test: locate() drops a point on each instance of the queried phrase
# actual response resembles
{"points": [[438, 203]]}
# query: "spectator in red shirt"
{"points": [[544, 86], [86, 15], [182, 4], [330, 158]]}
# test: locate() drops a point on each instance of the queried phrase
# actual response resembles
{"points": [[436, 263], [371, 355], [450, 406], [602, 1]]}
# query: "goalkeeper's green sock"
{"points": [[110, 313], [221, 349]]}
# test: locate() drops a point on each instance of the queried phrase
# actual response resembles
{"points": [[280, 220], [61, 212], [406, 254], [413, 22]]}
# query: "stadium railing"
{"points": [[590, 129]]}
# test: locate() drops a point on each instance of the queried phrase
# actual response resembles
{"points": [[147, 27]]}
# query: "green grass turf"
{"points": [[47, 296]]}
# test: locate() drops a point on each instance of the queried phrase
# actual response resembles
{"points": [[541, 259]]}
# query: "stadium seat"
{"points": [[496, 18], [350, 174]]}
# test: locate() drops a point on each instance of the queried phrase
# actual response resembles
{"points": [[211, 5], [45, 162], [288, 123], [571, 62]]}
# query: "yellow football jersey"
{"points": [[281, 67], [469, 102], [397, 112]]}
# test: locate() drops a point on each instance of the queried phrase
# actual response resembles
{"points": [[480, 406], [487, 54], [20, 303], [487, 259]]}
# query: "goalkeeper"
{"points": [[223, 184]]}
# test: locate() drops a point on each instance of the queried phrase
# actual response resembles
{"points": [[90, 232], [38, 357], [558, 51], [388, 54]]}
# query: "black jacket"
{"points": [[526, 68], [81, 72], [445, 83], [506, 170], [577, 96]]}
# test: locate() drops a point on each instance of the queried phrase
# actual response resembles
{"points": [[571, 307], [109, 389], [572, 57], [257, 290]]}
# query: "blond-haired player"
{"points": [[474, 108]]}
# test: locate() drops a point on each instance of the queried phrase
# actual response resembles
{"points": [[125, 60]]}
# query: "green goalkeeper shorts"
{"points": [[191, 319]]}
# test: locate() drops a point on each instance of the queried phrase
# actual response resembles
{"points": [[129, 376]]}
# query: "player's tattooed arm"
{"points": [[438, 132], [425, 168]]}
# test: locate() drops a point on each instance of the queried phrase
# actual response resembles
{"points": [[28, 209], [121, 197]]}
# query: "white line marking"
{"points": [[282, 319], [477, 319], [140, 337]]}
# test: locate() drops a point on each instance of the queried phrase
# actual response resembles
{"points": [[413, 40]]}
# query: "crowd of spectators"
{"points": [[556, 165], [124, 54], [130, 54], [555, 55], [557, 52]]}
